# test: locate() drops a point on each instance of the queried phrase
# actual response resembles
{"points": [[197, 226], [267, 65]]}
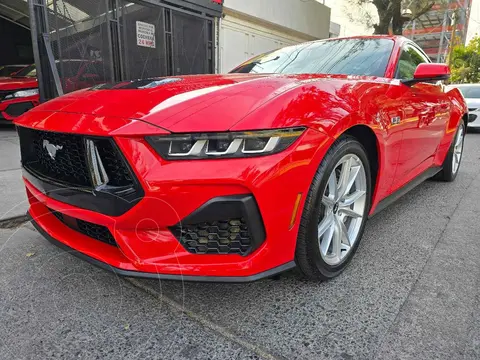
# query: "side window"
{"points": [[410, 58]]}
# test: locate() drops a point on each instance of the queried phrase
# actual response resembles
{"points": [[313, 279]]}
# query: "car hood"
{"points": [[179, 104], [473, 103], [9, 83]]}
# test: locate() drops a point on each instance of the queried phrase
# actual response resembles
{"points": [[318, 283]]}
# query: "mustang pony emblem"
{"points": [[51, 149]]}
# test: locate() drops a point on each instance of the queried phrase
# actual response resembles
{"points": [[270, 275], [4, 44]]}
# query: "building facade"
{"points": [[80, 43], [443, 27], [248, 28]]}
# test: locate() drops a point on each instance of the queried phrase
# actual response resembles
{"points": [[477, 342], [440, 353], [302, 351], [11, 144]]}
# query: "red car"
{"points": [[241, 176], [10, 70], [19, 93]]}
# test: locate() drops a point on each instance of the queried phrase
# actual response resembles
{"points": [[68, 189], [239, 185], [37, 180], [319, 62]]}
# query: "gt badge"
{"points": [[396, 120], [51, 148]]}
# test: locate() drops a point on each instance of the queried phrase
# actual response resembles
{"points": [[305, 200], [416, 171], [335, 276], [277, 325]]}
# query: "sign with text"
{"points": [[145, 34]]}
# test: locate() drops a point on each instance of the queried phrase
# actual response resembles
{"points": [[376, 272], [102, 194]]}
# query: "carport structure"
{"points": [[80, 43], [15, 43], [15, 11]]}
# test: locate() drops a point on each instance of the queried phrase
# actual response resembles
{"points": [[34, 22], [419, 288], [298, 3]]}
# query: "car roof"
{"points": [[391, 37], [396, 38], [466, 85]]}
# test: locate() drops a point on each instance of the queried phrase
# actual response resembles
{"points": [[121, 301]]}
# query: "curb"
{"points": [[13, 222]]}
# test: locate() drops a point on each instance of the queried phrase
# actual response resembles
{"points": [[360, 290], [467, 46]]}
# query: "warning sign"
{"points": [[145, 34]]}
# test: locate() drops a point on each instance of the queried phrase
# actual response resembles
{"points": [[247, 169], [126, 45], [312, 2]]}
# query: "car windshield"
{"points": [[68, 68], [29, 71], [470, 92], [7, 70], [362, 56]]}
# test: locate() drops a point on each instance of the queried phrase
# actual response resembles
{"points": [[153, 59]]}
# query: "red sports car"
{"points": [[241, 176], [19, 92]]}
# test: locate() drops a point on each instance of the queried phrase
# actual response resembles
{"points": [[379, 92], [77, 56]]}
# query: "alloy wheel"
{"points": [[344, 201], [458, 149]]}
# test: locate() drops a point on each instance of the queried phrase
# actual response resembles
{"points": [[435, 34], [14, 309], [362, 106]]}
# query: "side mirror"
{"points": [[429, 72]]}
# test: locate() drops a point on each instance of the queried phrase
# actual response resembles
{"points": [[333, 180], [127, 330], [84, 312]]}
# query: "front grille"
{"points": [[118, 173], [95, 231], [4, 93], [216, 237], [472, 109], [472, 117], [62, 158]]}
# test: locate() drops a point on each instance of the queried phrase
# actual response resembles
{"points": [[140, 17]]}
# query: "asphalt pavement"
{"points": [[411, 292], [12, 193]]}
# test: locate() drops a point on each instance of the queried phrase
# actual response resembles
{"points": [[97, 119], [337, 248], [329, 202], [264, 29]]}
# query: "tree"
{"points": [[394, 12], [465, 62]]}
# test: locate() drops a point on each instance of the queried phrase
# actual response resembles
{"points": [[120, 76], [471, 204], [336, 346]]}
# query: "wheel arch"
{"points": [[465, 119], [367, 137]]}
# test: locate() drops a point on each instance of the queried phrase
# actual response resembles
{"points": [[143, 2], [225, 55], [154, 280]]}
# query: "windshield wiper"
{"points": [[258, 62]]}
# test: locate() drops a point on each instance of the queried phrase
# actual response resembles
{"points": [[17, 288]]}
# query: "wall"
{"points": [[240, 40], [15, 44], [334, 29], [303, 17]]}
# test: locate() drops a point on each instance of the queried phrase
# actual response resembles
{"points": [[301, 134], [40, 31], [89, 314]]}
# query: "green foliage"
{"points": [[465, 62]]}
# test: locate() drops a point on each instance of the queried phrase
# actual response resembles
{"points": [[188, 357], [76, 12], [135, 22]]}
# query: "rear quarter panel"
{"points": [[458, 109]]}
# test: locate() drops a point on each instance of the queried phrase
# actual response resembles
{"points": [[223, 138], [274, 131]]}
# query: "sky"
{"points": [[348, 28], [338, 15], [474, 24]]}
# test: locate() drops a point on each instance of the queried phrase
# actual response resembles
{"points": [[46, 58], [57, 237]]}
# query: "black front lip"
{"points": [[137, 274], [104, 202]]}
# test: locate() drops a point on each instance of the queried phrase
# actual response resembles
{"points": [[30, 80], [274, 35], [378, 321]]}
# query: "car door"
{"points": [[425, 109]]}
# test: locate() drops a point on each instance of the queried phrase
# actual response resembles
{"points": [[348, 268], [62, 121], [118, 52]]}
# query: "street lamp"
{"points": [[407, 15]]}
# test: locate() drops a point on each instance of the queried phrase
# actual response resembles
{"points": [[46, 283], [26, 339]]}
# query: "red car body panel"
{"points": [[16, 84], [69, 84], [327, 105]]}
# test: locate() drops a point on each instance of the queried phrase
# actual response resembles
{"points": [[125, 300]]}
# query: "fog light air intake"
{"points": [[223, 225]]}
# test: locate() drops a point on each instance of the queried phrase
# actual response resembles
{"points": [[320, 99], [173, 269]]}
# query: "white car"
{"points": [[471, 93]]}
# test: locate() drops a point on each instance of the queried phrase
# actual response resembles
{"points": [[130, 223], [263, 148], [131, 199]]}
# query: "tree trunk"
{"points": [[382, 27], [392, 13], [397, 19]]}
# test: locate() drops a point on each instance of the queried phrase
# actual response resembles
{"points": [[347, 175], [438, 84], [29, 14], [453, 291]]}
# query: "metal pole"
{"points": [[35, 48], [442, 36], [51, 61], [452, 40]]}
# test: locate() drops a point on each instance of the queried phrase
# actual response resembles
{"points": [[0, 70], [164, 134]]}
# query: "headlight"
{"points": [[224, 145], [22, 93]]}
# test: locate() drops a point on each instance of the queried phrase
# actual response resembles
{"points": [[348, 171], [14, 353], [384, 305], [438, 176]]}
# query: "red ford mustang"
{"points": [[241, 176]]}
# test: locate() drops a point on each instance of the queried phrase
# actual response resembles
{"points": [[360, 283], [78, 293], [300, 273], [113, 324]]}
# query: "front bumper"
{"points": [[173, 192], [148, 275], [13, 108]]}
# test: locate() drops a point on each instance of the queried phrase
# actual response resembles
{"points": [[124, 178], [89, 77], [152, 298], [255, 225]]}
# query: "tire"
{"points": [[449, 171], [314, 257]]}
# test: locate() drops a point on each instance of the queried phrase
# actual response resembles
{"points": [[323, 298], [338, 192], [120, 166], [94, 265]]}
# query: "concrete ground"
{"points": [[411, 292], [12, 192]]}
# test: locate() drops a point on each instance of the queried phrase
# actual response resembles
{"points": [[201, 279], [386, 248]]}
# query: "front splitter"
{"points": [[145, 275]]}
